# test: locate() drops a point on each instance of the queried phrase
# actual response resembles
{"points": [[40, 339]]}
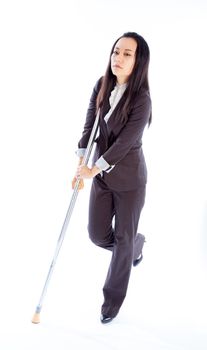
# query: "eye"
{"points": [[116, 52], [127, 54]]}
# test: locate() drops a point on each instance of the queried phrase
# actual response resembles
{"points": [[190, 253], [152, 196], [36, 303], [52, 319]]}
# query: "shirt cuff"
{"points": [[80, 152], [102, 164]]}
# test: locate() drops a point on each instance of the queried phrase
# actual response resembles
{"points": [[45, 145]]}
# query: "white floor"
{"points": [[165, 306], [47, 76]]}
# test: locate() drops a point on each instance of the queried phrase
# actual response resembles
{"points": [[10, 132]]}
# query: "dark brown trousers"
{"points": [[113, 223]]}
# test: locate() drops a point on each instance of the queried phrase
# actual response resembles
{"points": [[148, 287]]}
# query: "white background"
{"points": [[51, 54]]}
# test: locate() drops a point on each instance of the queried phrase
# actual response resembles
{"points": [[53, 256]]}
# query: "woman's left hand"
{"points": [[84, 172]]}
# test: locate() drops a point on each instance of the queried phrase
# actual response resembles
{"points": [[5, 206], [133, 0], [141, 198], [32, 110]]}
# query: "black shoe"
{"points": [[106, 319], [138, 260]]}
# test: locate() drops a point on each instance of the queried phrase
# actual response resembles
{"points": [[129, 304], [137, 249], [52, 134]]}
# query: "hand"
{"points": [[81, 183], [84, 172]]}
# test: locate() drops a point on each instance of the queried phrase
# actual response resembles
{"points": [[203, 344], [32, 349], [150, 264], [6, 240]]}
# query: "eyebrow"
{"points": [[116, 47]]}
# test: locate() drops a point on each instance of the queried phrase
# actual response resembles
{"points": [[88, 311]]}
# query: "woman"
{"points": [[119, 171]]}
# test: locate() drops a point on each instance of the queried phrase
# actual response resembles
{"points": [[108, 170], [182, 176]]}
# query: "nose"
{"points": [[118, 58]]}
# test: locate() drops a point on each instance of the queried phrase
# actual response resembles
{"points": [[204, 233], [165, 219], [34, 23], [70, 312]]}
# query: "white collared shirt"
{"points": [[116, 95]]}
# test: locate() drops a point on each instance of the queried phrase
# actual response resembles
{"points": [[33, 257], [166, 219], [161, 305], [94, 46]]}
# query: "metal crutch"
{"points": [[36, 317]]}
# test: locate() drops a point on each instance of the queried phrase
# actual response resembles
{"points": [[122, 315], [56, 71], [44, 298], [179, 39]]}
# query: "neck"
{"points": [[121, 80]]}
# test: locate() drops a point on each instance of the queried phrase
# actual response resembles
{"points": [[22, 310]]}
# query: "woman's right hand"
{"points": [[81, 183]]}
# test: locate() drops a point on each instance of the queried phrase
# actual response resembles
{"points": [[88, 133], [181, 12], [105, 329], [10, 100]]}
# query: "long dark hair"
{"points": [[138, 79]]}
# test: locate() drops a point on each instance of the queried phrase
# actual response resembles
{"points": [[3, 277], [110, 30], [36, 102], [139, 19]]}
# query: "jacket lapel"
{"points": [[114, 125]]}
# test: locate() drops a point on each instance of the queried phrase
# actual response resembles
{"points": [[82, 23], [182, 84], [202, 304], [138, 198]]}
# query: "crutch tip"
{"points": [[36, 318]]}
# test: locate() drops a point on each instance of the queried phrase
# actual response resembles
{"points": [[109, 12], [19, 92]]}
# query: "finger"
{"points": [[81, 183], [77, 174]]}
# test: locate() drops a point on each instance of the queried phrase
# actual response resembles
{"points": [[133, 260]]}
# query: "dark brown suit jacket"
{"points": [[120, 144]]}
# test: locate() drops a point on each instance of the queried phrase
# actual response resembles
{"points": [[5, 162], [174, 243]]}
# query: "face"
{"points": [[123, 59]]}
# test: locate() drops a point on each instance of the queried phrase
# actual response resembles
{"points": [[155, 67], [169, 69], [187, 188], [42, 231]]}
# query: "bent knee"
{"points": [[99, 237], [95, 237], [93, 234]]}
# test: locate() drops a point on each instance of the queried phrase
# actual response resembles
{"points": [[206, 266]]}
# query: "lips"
{"points": [[117, 66]]}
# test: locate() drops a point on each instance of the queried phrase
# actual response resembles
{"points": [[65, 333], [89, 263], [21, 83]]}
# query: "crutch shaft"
{"points": [[86, 157], [59, 244]]}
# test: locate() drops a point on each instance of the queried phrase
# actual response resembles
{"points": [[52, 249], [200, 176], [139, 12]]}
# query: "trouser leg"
{"points": [[101, 212], [128, 206]]}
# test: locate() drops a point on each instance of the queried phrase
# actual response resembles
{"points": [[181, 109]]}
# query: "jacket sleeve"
{"points": [[90, 117], [132, 132]]}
